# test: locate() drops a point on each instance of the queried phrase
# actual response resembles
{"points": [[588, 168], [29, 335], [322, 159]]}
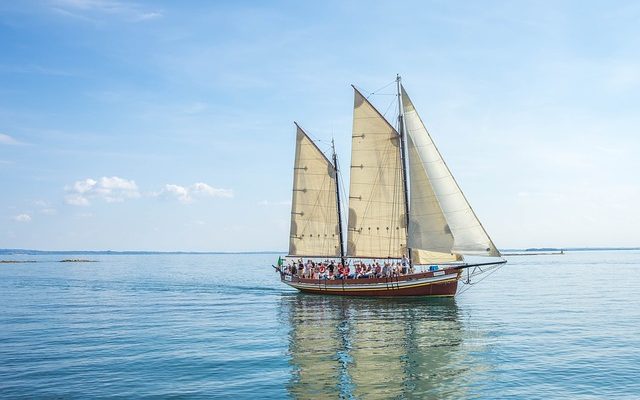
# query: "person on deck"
{"points": [[322, 271], [348, 273], [405, 264], [340, 271]]}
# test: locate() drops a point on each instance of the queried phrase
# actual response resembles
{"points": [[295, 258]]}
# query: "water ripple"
{"points": [[222, 326]]}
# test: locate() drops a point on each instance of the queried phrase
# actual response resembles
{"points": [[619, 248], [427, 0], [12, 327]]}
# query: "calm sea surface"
{"points": [[223, 326]]}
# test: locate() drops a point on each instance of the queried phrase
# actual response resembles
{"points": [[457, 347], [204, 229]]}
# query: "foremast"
{"points": [[403, 157], [339, 208]]}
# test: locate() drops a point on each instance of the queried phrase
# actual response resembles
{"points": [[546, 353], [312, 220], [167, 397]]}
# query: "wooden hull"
{"points": [[442, 283]]}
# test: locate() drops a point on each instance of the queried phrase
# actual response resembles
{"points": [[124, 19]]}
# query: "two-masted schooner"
{"points": [[404, 204]]}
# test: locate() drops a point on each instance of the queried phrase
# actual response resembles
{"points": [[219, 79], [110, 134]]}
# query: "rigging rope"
{"points": [[488, 272], [377, 90], [393, 102]]}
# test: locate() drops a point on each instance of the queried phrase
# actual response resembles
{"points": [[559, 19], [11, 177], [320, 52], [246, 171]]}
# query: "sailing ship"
{"points": [[403, 204]]}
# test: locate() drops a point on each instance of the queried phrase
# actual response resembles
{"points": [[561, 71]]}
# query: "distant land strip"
{"points": [[533, 253], [528, 251], [128, 252], [75, 260]]}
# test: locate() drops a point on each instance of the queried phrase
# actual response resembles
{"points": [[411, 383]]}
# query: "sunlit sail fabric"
{"points": [[433, 257], [376, 197], [428, 228], [314, 209], [469, 237]]}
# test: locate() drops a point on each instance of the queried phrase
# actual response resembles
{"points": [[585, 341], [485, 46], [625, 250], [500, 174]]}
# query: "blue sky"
{"points": [[168, 125]]}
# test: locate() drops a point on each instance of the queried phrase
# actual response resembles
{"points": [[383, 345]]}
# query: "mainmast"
{"points": [[335, 168], [403, 153]]}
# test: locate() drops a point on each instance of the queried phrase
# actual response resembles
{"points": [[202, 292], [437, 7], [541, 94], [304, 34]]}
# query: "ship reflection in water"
{"points": [[376, 348]]}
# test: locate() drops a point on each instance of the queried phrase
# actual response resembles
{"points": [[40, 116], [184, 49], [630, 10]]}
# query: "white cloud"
{"points": [[148, 15], [76, 200], [188, 194], [22, 218], [6, 139], [200, 188], [110, 189], [85, 9], [181, 192]]}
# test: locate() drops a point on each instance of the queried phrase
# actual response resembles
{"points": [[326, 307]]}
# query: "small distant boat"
{"points": [[404, 204]]}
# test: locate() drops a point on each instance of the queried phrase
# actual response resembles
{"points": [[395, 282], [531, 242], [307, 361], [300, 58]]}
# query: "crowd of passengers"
{"points": [[330, 270]]}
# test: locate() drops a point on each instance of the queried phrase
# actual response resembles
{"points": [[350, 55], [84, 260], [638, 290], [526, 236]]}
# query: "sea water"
{"points": [[223, 326]]}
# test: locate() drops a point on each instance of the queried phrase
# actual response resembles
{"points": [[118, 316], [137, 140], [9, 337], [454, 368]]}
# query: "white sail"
{"points": [[469, 236], [377, 227], [428, 228], [314, 209], [433, 257]]}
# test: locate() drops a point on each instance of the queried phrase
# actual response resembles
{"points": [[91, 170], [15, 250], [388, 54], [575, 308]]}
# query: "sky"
{"points": [[131, 125]]}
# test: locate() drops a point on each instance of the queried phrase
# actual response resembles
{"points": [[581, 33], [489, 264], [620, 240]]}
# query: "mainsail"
{"points": [[376, 227], [314, 209], [441, 218]]}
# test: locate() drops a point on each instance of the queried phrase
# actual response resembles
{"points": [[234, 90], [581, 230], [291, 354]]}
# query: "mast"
{"points": [[403, 157], [335, 168]]}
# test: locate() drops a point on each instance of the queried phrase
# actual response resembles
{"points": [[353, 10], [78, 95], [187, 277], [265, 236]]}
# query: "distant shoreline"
{"points": [[533, 253], [126, 252], [528, 251], [75, 260]]}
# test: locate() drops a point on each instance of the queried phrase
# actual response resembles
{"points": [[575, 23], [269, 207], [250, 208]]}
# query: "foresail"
{"points": [[469, 236], [428, 228], [377, 227], [433, 257], [314, 209]]}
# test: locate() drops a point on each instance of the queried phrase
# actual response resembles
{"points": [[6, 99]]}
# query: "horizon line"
{"points": [[22, 250]]}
